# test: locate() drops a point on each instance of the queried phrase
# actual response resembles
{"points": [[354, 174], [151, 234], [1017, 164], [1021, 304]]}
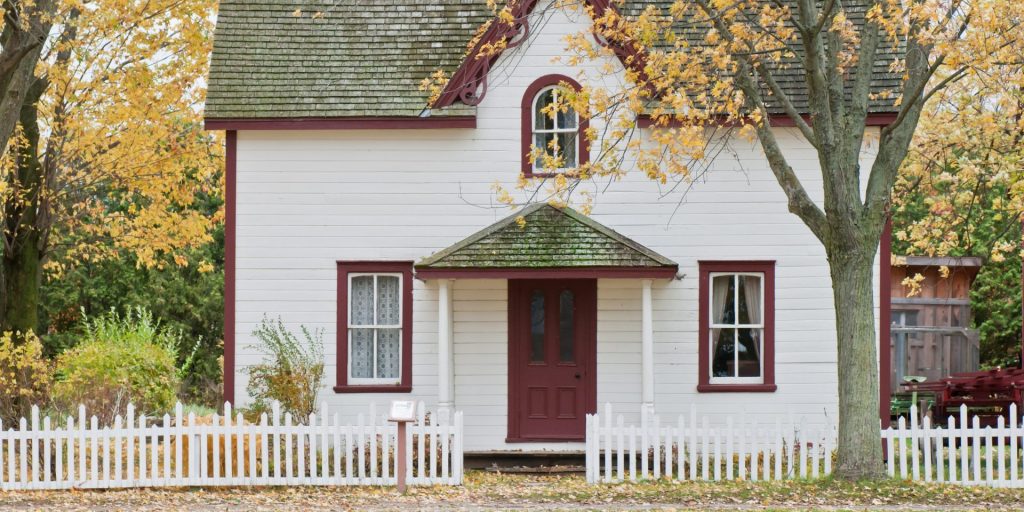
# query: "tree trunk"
{"points": [[22, 259], [859, 443]]}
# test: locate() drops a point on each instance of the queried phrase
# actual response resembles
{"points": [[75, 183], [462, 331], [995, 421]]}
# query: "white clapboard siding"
{"points": [[225, 450], [693, 449], [962, 452]]}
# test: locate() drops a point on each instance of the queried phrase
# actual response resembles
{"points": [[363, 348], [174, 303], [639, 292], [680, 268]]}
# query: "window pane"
{"points": [[537, 327], [567, 119], [750, 299], [543, 141], [388, 300], [361, 353], [567, 327], [722, 304], [749, 348], [361, 297], [722, 361], [542, 120], [567, 149], [388, 350]]}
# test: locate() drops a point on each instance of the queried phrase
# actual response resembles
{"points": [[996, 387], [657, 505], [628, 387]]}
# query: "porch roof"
{"points": [[547, 242]]}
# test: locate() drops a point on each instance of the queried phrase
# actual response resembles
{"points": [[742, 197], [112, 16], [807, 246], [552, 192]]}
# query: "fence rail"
{"points": [[139, 451], [691, 449], [963, 452]]}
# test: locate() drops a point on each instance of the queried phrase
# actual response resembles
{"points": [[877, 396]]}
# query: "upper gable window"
{"points": [[551, 125], [555, 129]]}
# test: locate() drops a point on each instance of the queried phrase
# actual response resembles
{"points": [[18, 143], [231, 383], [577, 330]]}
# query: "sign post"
{"points": [[402, 413]]}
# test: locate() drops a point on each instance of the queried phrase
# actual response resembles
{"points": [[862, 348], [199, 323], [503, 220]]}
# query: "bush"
{"points": [[121, 360], [292, 375], [24, 376]]}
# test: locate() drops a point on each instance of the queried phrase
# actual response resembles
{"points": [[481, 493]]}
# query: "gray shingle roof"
{"points": [[366, 58], [551, 238], [359, 58], [790, 76]]}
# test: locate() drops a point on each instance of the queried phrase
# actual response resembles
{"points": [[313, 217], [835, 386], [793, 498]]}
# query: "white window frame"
{"points": [[735, 328], [363, 381], [534, 131]]}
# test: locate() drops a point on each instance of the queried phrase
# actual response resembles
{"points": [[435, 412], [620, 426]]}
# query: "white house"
{"points": [[355, 207]]}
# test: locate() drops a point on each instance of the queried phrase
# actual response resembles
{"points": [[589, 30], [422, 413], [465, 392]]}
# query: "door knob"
{"points": [[579, 376]]}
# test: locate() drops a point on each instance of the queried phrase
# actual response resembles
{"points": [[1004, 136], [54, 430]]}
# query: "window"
{"points": [[374, 327], [737, 317], [555, 128], [560, 135]]}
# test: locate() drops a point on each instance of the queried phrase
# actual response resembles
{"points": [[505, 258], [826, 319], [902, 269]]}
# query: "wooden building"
{"points": [[931, 330]]}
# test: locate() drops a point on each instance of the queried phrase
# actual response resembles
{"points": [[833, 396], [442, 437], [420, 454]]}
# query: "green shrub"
{"points": [[24, 376], [121, 360], [293, 372]]}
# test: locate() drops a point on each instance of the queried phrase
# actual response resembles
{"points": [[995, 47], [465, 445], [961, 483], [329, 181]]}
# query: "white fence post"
{"points": [[923, 451], [133, 451]]}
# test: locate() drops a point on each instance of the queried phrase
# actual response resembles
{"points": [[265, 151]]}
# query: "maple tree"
{"points": [[704, 70], [108, 153]]}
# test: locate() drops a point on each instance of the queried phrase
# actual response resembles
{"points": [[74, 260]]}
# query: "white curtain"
{"points": [[361, 353], [362, 300], [752, 297], [388, 303], [719, 294]]}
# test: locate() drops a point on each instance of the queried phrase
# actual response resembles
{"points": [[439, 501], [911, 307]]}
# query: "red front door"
{"points": [[552, 364]]}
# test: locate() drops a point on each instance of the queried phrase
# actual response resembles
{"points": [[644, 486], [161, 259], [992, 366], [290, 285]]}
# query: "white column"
{"points": [[647, 349], [444, 348]]}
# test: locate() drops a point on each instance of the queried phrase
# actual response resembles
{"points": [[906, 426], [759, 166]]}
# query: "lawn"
{"points": [[485, 491]]}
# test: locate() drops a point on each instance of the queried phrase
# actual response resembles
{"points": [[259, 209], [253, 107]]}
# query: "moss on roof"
{"points": [[335, 58], [366, 58], [550, 238]]}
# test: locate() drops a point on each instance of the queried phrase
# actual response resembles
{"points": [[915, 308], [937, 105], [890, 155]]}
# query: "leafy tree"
{"points": [[960, 193], [730, 75], [109, 155]]}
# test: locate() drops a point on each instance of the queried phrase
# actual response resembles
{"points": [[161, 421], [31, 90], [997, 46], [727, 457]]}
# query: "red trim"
{"points": [[230, 202], [526, 115], [469, 83], [344, 269], [518, 291], [736, 388], [703, 335], [341, 123], [549, 273], [885, 323], [784, 121]]}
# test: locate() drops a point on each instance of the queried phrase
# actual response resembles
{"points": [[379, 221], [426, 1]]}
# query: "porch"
{"points": [[518, 320]]}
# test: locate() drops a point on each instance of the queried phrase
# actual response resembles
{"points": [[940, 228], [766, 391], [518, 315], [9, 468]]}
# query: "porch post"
{"points": [[647, 349], [444, 348]]}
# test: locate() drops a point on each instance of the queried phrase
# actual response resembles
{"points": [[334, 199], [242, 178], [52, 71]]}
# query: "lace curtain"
{"points": [[376, 348]]}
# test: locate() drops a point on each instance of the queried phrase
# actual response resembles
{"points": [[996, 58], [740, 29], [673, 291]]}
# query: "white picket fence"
{"points": [[963, 452], [692, 449], [139, 451]]}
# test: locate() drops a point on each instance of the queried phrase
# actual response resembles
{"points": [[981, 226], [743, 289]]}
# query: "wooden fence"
{"points": [[139, 451], [691, 449], [963, 452]]}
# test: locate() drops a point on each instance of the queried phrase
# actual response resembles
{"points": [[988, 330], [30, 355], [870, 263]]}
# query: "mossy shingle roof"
{"points": [[281, 59], [335, 58], [550, 238]]}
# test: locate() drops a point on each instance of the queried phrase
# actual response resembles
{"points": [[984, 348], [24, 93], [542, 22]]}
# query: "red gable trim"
{"points": [[469, 83], [341, 123], [549, 273], [784, 121]]}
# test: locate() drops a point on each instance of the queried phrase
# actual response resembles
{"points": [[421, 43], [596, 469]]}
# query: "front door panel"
{"points": [[552, 340]]}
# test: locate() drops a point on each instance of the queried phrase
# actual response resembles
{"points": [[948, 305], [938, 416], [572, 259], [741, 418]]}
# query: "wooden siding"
{"points": [[308, 199]]}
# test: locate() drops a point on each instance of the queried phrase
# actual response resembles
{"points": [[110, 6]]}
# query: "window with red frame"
{"points": [[552, 127], [374, 327], [737, 326]]}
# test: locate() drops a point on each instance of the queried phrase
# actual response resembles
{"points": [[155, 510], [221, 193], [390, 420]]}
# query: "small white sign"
{"points": [[402, 410]]}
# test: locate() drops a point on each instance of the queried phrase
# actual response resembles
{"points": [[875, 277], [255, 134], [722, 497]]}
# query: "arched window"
{"points": [[552, 126]]}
